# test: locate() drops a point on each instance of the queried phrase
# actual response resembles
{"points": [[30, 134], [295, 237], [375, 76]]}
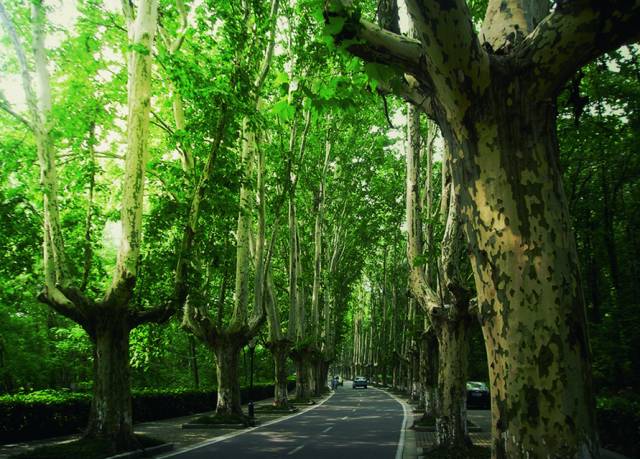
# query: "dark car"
{"points": [[360, 381], [478, 395]]}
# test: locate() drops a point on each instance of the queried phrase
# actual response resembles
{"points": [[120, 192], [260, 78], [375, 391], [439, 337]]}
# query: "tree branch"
{"points": [[374, 44], [571, 36], [457, 65], [4, 106]]}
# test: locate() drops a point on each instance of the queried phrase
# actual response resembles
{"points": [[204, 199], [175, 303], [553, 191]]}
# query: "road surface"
{"points": [[351, 424]]}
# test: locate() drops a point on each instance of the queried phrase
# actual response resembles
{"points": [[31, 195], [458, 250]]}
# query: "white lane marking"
{"points": [[235, 434], [327, 429], [293, 451], [405, 420]]}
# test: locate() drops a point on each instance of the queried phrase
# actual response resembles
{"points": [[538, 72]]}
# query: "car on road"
{"points": [[478, 395], [360, 381]]}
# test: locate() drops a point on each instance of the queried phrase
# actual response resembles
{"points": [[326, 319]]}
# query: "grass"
{"points": [[469, 452], [82, 449]]}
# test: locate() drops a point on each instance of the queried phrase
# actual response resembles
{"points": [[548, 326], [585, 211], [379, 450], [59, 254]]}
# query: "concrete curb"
{"points": [[146, 452]]}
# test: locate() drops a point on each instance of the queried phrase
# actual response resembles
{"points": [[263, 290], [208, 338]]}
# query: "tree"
{"points": [[493, 95], [107, 321], [440, 291], [227, 342]]}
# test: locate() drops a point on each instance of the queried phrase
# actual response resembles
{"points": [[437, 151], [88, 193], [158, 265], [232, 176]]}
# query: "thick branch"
{"points": [[374, 44], [571, 36], [457, 65], [507, 22]]}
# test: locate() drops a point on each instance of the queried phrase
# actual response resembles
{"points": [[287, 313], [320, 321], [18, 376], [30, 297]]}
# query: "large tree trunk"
{"points": [[303, 387], [111, 415], [227, 351], [279, 351], [527, 277], [451, 420]]}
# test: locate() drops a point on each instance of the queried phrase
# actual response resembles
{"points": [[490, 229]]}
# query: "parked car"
{"points": [[360, 381], [478, 395]]}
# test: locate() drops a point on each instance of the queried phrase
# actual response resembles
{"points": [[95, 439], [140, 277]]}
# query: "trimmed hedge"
{"points": [[52, 413]]}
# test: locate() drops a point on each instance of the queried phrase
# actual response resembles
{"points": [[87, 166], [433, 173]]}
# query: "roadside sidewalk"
{"points": [[170, 430]]}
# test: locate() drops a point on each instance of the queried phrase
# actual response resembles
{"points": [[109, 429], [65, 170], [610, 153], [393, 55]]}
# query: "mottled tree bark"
{"points": [[227, 351], [300, 359], [111, 414], [280, 352], [451, 401]]}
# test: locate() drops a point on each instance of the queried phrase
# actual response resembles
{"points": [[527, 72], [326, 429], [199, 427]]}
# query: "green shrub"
{"points": [[51, 413]]}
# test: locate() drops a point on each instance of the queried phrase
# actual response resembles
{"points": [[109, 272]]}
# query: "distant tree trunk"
{"points": [[111, 414], [451, 422], [303, 387], [429, 362], [280, 351], [193, 362]]}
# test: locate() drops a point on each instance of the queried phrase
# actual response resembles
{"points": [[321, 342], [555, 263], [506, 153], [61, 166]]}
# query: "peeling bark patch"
{"points": [[531, 399], [545, 359]]}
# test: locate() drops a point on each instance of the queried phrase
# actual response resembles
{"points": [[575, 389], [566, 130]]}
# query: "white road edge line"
{"points": [[405, 419], [293, 451], [235, 434], [327, 429]]}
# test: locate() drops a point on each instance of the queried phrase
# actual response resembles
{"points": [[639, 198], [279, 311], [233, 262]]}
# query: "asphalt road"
{"points": [[351, 424]]}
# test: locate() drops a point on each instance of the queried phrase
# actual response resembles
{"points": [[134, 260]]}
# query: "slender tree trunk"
{"points": [[431, 364], [111, 414], [451, 421], [227, 351], [193, 360]]}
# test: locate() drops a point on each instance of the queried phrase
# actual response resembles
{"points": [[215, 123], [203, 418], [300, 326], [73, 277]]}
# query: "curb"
{"points": [[146, 452]]}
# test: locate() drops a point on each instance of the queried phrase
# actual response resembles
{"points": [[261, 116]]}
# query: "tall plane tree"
{"points": [[108, 320], [227, 341], [493, 94]]}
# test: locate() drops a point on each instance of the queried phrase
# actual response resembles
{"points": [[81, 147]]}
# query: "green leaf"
{"points": [[334, 25], [283, 110]]}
